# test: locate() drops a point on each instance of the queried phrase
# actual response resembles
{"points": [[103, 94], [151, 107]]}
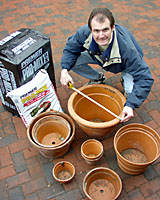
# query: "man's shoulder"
{"points": [[121, 29], [84, 29]]}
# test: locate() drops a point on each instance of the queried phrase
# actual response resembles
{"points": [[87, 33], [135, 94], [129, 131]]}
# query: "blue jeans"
{"points": [[83, 68]]}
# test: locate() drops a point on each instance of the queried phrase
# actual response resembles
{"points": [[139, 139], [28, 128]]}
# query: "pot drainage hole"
{"points": [[101, 189], [134, 155], [64, 175], [52, 139]]}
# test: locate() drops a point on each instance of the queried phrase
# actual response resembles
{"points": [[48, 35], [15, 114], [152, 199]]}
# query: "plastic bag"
{"points": [[35, 97]]}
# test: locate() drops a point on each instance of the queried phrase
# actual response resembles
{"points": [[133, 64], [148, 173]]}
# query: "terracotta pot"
{"points": [[102, 184], [92, 161], [51, 131], [131, 147], [93, 120], [92, 150], [63, 172], [141, 127], [51, 152]]}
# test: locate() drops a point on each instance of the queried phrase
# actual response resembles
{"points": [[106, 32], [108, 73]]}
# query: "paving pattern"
{"points": [[24, 173]]}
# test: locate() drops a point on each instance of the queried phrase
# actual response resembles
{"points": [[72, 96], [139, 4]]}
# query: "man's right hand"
{"points": [[65, 78]]}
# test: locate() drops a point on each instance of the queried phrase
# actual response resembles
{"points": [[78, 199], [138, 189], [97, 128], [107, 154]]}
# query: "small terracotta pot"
{"points": [[93, 120], [63, 172], [92, 150], [131, 147], [92, 161], [51, 152], [51, 131], [102, 183]]}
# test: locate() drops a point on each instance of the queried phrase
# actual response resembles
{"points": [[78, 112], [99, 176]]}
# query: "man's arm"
{"points": [[74, 47]]}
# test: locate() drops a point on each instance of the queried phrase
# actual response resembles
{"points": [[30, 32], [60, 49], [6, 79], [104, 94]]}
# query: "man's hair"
{"points": [[101, 14]]}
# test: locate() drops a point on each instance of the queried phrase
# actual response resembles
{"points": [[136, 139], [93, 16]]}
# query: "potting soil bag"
{"points": [[22, 54], [35, 97]]}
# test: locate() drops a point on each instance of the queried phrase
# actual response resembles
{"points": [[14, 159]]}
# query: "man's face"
{"points": [[101, 31]]}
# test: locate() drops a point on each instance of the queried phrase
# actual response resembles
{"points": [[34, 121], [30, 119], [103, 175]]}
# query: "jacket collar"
{"points": [[110, 56], [94, 48]]}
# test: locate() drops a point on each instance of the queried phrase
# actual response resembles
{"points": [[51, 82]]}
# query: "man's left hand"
{"points": [[127, 114]]}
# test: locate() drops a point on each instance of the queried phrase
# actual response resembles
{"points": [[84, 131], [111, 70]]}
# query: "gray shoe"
{"points": [[102, 80]]}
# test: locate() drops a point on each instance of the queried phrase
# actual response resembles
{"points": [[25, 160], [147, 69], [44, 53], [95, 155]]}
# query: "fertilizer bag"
{"points": [[35, 97]]}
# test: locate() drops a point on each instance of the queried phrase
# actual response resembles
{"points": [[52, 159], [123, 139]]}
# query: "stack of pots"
{"points": [[39, 133], [92, 151], [51, 130], [92, 119], [136, 146]]}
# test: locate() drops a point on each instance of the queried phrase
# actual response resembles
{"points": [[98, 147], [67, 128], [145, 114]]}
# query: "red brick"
{"points": [[157, 167], [151, 187], [62, 93], [35, 171], [77, 148], [8, 127], [18, 146], [136, 195], [133, 182], [155, 115], [18, 179], [7, 172], [5, 115], [152, 124], [32, 196], [82, 166], [70, 157], [21, 130], [108, 143], [158, 131], [33, 186], [79, 134], [153, 197], [5, 157], [30, 152], [41, 16], [71, 185], [16, 120]]}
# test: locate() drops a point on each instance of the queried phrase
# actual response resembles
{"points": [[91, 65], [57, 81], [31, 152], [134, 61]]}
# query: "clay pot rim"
{"points": [[60, 163], [141, 127], [69, 119], [90, 157], [92, 160], [124, 159], [50, 146], [88, 123], [98, 169]]}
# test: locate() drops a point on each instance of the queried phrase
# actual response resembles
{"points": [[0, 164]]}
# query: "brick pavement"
{"points": [[24, 173]]}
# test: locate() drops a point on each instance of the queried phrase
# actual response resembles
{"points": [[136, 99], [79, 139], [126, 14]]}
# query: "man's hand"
{"points": [[127, 114], [65, 78]]}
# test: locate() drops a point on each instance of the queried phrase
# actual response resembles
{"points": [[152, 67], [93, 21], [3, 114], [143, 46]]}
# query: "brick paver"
{"points": [[24, 173]]}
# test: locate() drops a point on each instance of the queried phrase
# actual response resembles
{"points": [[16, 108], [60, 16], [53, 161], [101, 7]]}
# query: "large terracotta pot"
{"points": [[136, 146], [93, 120], [102, 184], [63, 171], [56, 151]]}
